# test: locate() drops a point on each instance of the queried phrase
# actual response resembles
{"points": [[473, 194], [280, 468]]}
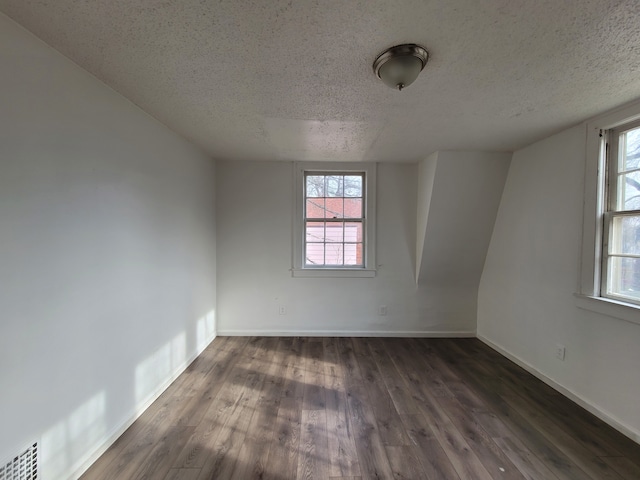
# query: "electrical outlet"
{"points": [[560, 352], [382, 310], [282, 310]]}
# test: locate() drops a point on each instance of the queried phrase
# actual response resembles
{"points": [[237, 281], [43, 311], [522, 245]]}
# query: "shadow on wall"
{"points": [[69, 446]]}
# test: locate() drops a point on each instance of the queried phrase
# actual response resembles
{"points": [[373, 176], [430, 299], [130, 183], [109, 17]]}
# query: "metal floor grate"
{"points": [[23, 467]]}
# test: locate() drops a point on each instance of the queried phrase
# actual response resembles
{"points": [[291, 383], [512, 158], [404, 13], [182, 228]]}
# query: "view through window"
{"points": [[334, 220]]}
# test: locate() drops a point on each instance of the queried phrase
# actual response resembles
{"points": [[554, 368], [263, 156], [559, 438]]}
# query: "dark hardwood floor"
{"points": [[363, 408]]}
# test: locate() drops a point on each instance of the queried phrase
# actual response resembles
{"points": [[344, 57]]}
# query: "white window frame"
{"points": [[300, 269], [611, 209], [590, 295]]}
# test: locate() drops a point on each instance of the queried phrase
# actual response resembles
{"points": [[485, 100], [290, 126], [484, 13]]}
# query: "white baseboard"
{"points": [[347, 333], [583, 402], [134, 415]]}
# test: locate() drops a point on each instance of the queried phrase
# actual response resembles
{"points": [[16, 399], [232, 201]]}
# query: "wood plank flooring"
{"points": [[363, 408]]}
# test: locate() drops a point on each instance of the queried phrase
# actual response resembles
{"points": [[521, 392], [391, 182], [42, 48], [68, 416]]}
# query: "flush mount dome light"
{"points": [[399, 66]]}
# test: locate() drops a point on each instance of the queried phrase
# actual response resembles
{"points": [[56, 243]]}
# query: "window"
{"points": [[334, 220], [621, 232], [610, 265]]}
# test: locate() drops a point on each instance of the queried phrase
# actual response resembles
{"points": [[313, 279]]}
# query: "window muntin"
{"points": [[334, 219], [621, 239]]}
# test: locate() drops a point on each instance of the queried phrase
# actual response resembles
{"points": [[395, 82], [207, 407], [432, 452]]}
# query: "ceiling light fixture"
{"points": [[399, 66]]}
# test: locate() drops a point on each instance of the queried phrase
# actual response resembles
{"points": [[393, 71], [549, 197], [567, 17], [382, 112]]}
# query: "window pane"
{"points": [[629, 148], [334, 232], [334, 185], [315, 185], [314, 254], [314, 232], [335, 207], [353, 232], [315, 208], [334, 254], [625, 235], [624, 277], [629, 191], [353, 208], [353, 254], [353, 186]]}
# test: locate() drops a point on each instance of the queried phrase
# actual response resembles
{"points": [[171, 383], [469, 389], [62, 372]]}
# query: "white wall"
{"points": [[107, 256], [426, 177], [254, 242], [455, 224], [526, 304]]}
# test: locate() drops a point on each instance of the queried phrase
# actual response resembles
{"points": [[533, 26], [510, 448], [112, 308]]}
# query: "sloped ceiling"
{"points": [[292, 80]]}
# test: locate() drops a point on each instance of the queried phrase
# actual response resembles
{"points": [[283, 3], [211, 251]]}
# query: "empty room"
{"points": [[338, 239]]}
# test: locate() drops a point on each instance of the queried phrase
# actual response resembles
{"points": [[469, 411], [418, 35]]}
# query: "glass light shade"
{"points": [[400, 72], [399, 66]]}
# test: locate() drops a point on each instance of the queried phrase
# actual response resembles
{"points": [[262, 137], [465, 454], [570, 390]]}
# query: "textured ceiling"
{"points": [[292, 80]]}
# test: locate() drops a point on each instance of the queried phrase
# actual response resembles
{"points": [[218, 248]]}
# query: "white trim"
{"points": [[592, 217], [297, 257], [333, 272], [348, 333], [618, 116], [571, 395], [76, 472], [607, 306]]}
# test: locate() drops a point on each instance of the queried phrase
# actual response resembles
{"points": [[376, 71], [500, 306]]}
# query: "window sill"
{"points": [[333, 273], [607, 306]]}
